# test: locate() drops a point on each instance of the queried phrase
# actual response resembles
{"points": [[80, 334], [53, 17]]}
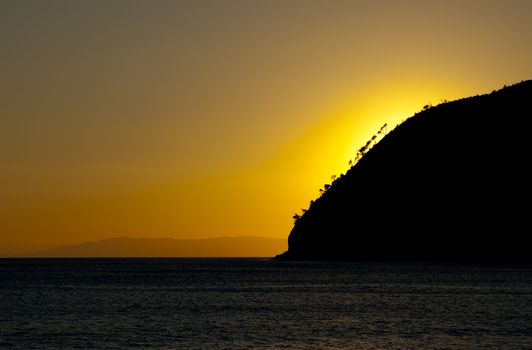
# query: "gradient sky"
{"points": [[190, 119]]}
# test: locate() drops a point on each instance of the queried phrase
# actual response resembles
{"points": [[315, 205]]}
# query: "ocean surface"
{"points": [[262, 304]]}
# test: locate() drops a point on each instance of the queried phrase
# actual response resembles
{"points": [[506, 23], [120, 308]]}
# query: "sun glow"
{"points": [[325, 150]]}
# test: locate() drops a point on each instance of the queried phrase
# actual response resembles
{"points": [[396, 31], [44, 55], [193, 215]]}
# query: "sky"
{"points": [[193, 119]]}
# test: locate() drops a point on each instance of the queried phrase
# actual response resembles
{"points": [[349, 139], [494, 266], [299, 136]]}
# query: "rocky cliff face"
{"points": [[452, 182]]}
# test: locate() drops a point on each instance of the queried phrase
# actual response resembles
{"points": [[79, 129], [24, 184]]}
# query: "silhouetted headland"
{"points": [[451, 183]]}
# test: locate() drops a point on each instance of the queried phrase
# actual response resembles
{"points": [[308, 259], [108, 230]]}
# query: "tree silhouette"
{"points": [[369, 144]]}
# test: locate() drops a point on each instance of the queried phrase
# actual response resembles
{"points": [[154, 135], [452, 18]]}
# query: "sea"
{"points": [[262, 304]]}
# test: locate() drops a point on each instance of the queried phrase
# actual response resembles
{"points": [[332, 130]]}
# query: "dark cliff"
{"points": [[451, 183]]}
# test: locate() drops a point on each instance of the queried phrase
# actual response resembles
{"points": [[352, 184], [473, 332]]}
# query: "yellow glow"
{"points": [[326, 148]]}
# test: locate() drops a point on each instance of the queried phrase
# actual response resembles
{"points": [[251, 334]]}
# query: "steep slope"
{"points": [[450, 183]]}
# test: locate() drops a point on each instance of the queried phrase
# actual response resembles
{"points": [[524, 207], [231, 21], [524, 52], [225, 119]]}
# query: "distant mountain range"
{"points": [[244, 246], [453, 182]]}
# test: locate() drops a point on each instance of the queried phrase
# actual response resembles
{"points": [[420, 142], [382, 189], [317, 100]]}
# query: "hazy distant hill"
{"points": [[453, 182], [8, 249], [244, 246]]}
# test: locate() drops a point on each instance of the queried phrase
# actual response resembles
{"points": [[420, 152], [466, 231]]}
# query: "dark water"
{"points": [[240, 304]]}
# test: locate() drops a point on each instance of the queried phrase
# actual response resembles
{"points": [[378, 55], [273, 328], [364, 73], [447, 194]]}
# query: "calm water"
{"points": [[240, 304]]}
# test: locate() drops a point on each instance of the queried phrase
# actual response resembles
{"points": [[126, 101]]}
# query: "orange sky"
{"points": [[192, 119]]}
